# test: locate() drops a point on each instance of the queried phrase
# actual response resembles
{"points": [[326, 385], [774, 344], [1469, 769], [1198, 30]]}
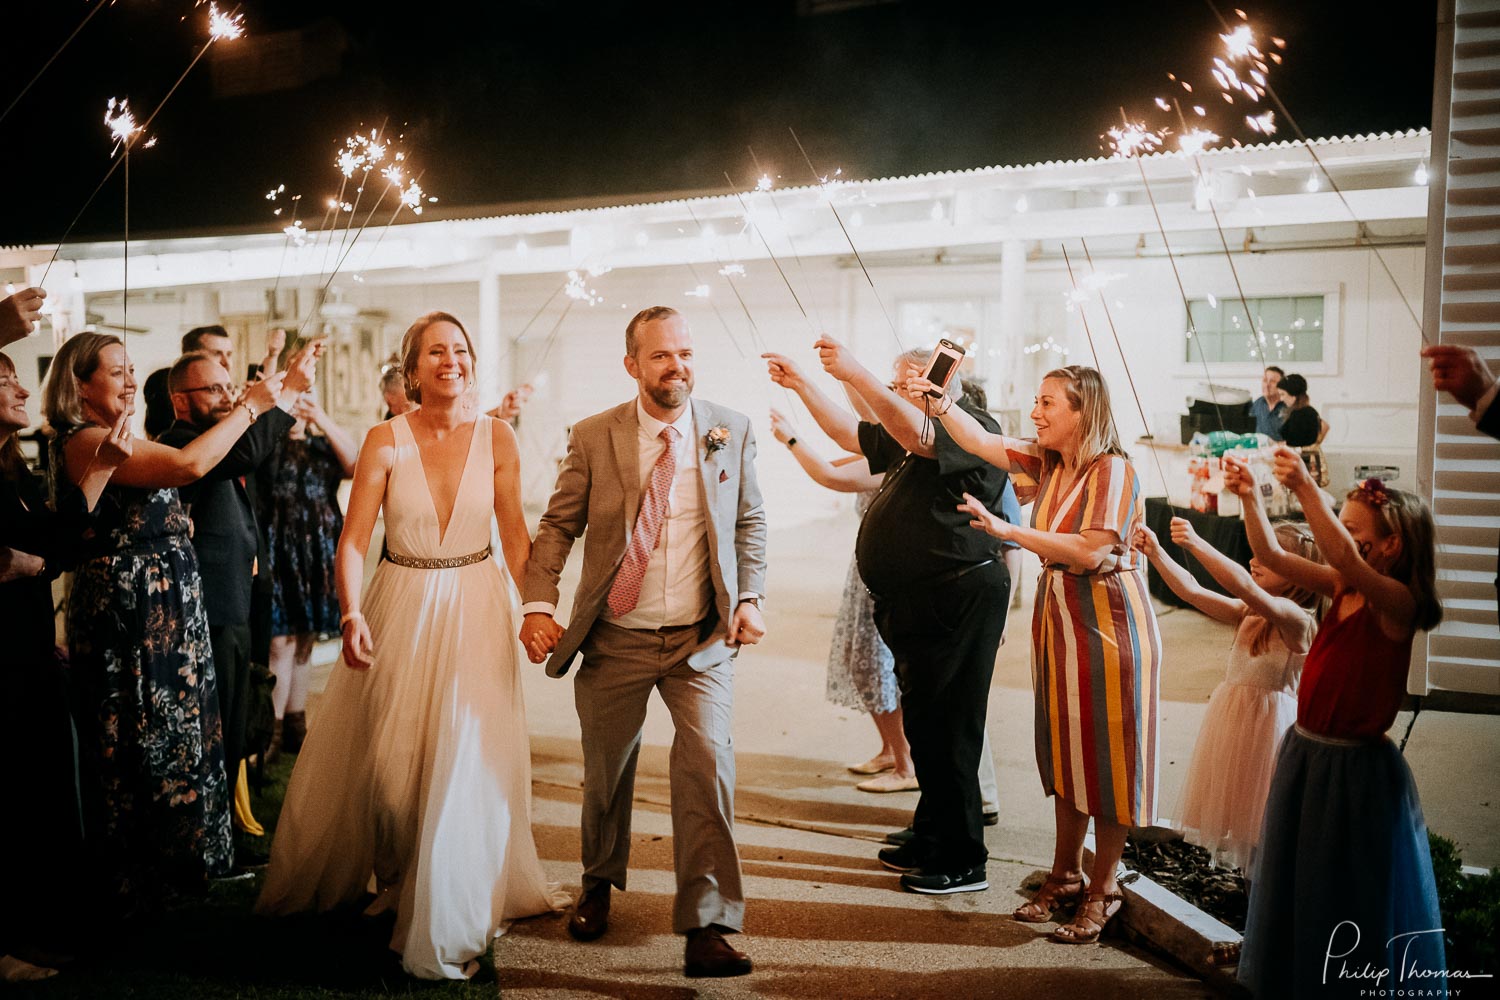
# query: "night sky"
{"points": [[524, 100]]}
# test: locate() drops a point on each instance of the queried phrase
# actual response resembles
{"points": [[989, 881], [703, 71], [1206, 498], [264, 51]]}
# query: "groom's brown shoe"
{"points": [[708, 954], [590, 917]]}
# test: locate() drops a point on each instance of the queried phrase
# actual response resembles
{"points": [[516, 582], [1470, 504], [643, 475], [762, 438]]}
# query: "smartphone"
{"points": [[942, 366]]}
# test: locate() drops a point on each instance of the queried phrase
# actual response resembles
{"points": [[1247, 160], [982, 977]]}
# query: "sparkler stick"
{"points": [[1082, 315], [221, 26], [818, 179], [551, 337], [290, 231], [98, 6], [801, 271], [1362, 231], [772, 254]]}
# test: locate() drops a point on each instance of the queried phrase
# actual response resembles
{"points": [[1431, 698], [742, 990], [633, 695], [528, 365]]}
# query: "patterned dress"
{"points": [[1095, 647], [299, 511], [148, 720], [861, 671]]}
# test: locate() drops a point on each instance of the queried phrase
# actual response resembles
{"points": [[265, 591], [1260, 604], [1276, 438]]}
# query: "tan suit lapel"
{"points": [[709, 467], [624, 435]]}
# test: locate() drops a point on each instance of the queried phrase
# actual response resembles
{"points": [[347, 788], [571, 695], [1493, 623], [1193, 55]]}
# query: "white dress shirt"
{"points": [[676, 589]]}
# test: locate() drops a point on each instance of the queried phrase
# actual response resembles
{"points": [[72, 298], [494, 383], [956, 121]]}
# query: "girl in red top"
{"points": [[1342, 890]]}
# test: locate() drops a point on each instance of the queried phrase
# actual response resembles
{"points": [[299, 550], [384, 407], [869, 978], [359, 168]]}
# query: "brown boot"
{"points": [[274, 750], [708, 954], [293, 731]]}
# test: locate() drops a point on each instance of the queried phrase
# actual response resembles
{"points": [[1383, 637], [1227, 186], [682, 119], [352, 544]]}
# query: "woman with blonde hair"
{"points": [[149, 728], [1095, 647], [418, 771]]}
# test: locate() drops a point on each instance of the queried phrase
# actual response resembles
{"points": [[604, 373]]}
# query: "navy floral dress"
{"points": [[299, 510], [149, 730]]}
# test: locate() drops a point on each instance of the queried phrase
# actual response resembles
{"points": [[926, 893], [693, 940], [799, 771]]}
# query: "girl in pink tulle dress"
{"points": [[1224, 795]]}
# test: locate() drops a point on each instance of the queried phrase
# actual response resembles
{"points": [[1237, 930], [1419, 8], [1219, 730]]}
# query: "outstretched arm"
{"points": [[903, 422], [1318, 578], [1083, 551], [834, 420], [1390, 598], [1216, 606], [851, 476], [1289, 618], [966, 432]]}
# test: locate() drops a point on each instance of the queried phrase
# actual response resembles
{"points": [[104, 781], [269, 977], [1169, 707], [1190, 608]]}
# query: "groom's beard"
{"points": [[671, 397]]}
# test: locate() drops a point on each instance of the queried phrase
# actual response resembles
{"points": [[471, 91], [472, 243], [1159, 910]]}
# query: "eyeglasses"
{"points": [[220, 391]]}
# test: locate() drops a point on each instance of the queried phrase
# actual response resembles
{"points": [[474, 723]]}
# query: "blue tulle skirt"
{"points": [[1342, 896]]}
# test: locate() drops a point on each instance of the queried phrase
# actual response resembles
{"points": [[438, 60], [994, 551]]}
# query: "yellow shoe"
{"points": [[244, 819]]}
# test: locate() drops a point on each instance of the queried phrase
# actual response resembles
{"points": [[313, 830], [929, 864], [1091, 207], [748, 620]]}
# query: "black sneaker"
{"points": [[943, 883], [902, 836], [992, 819], [899, 859]]}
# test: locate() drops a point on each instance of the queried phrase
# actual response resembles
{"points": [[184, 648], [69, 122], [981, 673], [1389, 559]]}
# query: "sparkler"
{"points": [[818, 178], [1363, 230], [98, 6], [221, 27], [701, 289], [771, 253], [801, 270]]}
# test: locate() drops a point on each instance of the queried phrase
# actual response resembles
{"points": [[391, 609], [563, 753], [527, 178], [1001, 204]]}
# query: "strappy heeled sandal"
{"points": [[1054, 894], [1085, 929]]}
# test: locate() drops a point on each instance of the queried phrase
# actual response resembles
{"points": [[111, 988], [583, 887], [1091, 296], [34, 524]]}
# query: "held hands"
{"points": [[539, 635], [986, 522], [837, 359], [746, 626], [264, 394], [359, 647], [781, 428], [1291, 471], [1238, 479], [1459, 371], [19, 314], [784, 371]]}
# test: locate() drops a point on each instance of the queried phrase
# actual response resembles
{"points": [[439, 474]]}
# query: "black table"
{"points": [[1226, 534]]}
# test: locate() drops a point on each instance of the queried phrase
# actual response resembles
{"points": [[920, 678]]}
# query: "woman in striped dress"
{"points": [[1095, 647]]}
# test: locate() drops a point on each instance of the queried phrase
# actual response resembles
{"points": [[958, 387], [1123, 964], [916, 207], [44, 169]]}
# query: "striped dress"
{"points": [[1095, 647]]}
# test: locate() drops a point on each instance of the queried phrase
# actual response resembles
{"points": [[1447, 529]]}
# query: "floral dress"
{"points": [[861, 670], [299, 511], [149, 729]]}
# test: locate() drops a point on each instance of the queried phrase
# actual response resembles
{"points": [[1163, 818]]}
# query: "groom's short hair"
{"points": [[644, 316]]}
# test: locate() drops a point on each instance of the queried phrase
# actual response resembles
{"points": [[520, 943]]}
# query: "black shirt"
{"points": [[1301, 427], [913, 531]]}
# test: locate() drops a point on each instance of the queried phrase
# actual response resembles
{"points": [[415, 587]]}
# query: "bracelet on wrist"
{"points": [[790, 441], [249, 409]]}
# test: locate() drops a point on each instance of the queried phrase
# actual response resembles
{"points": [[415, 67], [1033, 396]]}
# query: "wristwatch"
{"points": [[751, 600]]}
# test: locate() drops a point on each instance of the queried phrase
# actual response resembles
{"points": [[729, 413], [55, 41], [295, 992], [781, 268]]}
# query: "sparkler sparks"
{"points": [[764, 183], [296, 233], [1133, 139], [120, 121], [1265, 123], [222, 26], [578, 290], [1195, 141]]}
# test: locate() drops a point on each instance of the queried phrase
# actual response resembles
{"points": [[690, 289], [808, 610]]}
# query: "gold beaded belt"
{"points": [[453, 562]]}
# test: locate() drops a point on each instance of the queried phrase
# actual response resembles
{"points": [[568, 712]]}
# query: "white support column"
{"points": [[492, 374], [1012, 322]]}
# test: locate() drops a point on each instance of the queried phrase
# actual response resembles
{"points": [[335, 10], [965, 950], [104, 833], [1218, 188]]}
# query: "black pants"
{"points": [[944, 637], [231, 649]]}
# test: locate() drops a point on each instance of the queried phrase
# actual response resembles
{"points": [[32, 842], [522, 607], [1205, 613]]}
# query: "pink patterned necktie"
{"points": [[625, 593]]}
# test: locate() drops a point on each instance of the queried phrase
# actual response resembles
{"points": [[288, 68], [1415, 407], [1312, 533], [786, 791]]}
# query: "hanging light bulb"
{"points": [[1421, 175], [1313, 184]]}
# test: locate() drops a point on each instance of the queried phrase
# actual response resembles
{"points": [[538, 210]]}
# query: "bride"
{"points": [[418, 769]]}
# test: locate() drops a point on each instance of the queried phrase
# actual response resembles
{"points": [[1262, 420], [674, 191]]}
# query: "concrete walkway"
{"points": [[824, 918]]}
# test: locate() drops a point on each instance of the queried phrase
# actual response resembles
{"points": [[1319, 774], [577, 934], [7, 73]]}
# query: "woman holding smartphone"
{"points": [[1095, 646]]}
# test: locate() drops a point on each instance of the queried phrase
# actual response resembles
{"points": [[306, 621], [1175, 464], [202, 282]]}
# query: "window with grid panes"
{"points": [[1287, 329]]}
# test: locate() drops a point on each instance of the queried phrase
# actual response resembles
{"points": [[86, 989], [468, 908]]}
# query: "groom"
{"points": [[673, 569]]}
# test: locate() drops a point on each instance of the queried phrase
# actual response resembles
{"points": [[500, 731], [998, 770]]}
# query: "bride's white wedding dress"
{"points": [[418, 771]]}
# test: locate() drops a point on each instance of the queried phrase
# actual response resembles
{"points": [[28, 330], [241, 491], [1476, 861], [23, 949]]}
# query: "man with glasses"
{"points": [[224, 531]]}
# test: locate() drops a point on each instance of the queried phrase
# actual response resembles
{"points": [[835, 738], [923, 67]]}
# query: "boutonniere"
{"points": [[715, 439]]}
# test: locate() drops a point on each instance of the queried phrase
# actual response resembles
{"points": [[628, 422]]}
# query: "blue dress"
{"points": [[149, 732], [299, 511]]}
